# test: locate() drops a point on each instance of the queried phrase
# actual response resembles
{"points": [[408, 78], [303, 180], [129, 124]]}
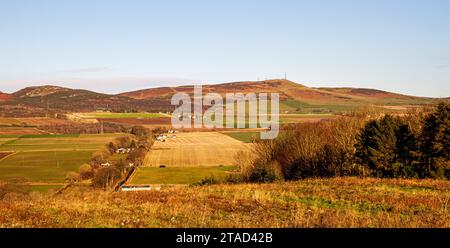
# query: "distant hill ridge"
{"points": [[291, 92], [294, 97], [4, 96]]}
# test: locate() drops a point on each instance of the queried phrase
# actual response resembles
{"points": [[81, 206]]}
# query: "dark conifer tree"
{"points": [[434, 143]]}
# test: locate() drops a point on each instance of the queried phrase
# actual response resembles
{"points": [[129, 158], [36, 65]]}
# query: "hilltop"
{"points": [[4, 96]]}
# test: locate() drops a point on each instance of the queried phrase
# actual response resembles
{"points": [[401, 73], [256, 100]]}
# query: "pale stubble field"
{"points": [[195, 149]]}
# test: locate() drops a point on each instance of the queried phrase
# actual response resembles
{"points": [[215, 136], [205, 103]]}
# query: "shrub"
{"points": [[100, 156], [11, 188], [72, 177], [139, 131], [210, 180], [86, 171]]}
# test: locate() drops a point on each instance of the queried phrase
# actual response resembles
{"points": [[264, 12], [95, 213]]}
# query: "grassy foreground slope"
{"points": [[340, 202]]}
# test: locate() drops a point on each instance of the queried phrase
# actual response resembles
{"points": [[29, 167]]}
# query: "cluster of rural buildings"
{"points": [[164, 136]]}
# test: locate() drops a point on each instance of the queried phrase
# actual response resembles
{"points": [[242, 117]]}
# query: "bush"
{"points": [[262, 174], [72, 177], [11, 188], [207, 181], [139, 131], [86, 171], [323, 149]]}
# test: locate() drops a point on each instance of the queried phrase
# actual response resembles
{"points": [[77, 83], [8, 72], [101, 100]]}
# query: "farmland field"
{"points": [[47, 158], [42, 166], [304, 118], [29, 143], [195, 149], [145, 119], [178, 175], [26, 125], [101, 115], [5, 131], [4, 154]]}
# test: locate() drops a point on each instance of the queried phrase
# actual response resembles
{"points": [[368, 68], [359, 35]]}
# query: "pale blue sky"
{"points": [[113, 46]]}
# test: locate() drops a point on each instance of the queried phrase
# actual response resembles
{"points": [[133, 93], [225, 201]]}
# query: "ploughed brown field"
{"points": [[163, 121], [38, 121], [4, 154], [195, 149], [19, 131]]}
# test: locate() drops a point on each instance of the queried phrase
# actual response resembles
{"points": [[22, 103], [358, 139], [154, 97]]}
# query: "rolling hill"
{"points": [[4, 96], [77, 100], [295, 98]]}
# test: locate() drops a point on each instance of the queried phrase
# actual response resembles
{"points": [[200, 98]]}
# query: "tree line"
{"points": [[413, 145], [105, 172]]}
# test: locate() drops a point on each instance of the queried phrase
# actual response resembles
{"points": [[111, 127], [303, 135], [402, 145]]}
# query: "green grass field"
{"points": [[178, 175], [296, 106], [55, 142], [47, 159], [49, 166], [101, 115], [245, 137]]}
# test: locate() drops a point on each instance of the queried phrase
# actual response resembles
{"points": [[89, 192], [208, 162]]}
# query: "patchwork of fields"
{"points": [[145, 119], [101, 115], [37, 159]]}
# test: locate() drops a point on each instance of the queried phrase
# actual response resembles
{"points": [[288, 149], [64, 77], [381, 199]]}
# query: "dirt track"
{"points": [[195, 149]]}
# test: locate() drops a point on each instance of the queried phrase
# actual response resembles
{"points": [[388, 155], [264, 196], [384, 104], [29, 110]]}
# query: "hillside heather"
{"points": [[295, 98]]}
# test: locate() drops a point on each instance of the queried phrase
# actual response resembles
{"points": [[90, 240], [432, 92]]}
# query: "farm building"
{"points": [[139, 188], [107, 164], [123, 150]]}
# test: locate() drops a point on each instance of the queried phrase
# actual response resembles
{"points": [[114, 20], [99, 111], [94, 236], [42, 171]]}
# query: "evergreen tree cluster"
{"points": [[388, 147]]}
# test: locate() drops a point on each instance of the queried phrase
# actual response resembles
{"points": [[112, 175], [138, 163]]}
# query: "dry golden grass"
{"points": [[340, 202], [195, 149]]}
